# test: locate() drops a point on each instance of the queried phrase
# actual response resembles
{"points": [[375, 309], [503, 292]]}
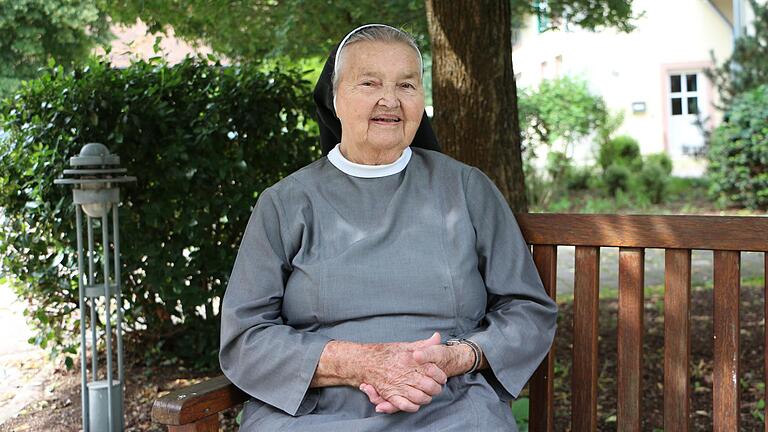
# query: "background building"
{"points": [[655, 74]]}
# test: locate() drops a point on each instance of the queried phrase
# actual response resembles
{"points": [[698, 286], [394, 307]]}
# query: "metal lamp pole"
{"points": [[94, 180]]}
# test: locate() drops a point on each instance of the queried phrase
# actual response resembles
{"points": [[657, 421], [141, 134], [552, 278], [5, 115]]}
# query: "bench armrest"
{"points": [[197, 402]]}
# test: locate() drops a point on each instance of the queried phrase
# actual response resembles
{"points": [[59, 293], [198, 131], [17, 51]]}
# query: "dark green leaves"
{"points": [[738, 154], [202, 139]]}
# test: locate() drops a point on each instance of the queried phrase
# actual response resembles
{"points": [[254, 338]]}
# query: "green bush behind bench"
{"points": [[203, 140], [738, 156]]}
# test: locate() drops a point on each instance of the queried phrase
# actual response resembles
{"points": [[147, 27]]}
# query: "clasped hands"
{"points": [[404, 376]]}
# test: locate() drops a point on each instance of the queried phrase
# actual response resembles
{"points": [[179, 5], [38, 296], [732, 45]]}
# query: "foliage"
{"points": [[738, 155], [654, 181], [616, 178], [202, 139], [579, 178], [622, 150], [521, 411], [292, 28], [560, 109], [662, 160], [297, 28], [35, 31], [655, 175], [746, 68]]}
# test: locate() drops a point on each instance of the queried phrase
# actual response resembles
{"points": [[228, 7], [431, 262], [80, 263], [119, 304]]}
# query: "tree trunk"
{"points": [[474, 91]]}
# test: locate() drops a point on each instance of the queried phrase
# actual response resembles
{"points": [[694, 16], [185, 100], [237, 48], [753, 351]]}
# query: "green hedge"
{"points": [[738, 154], [203, 140]]}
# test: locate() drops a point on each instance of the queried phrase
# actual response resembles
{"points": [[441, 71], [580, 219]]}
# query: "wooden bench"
{"points": [[196, 408]]}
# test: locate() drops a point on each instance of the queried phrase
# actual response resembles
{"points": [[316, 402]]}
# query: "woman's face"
{"points": [[380, 98]]}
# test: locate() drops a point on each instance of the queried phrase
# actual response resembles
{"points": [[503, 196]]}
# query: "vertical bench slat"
{"points": [[541, 384], [677, 342], [585, 327], [630, 338], [725, 397]]}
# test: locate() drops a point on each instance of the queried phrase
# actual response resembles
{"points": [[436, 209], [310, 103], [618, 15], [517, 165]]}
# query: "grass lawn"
{"points": [[683, 195]]}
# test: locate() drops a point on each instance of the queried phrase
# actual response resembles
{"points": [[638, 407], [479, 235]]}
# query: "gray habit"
{"points": [[328, 256]]}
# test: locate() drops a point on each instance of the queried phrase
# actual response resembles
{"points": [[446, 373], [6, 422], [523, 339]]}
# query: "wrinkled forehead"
{"points": [[375, 57]]}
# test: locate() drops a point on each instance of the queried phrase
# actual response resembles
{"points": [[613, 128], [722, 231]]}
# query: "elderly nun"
{"points": [[385, 286]]}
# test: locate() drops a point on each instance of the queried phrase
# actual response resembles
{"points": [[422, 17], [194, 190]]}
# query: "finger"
{"points": [[403, 404], [431, 341], [433, 354], [433, 371], [427, 385], [373, 396], [416, 395], [386, 408]]}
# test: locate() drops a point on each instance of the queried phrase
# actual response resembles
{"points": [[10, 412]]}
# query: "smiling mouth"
{"points": [[387, 119]]}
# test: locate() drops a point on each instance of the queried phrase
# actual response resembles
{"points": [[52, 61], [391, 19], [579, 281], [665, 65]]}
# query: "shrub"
{"points": [[622, 150], [653, 179], [558, 165], [202, 139], [579, 178], [662, 160], [562, 109], [738, 155], [616, 178]]}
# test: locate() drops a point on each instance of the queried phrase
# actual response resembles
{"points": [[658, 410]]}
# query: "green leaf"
{"points": [[520, 408]]}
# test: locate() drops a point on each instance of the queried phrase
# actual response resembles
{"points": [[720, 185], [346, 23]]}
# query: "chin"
{"points": [[388, 145]]}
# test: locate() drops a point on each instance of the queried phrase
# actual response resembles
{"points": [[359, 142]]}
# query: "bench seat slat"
{"points": [[725, 397], [736, 233], [585, 320], [630, 338], [541, 384], [677, 342]]}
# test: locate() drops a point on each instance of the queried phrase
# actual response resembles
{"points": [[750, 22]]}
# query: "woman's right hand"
{"points": [[390, 368]]}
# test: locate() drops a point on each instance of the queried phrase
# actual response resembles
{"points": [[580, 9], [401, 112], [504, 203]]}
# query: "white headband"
{"points": [[344, 41]]}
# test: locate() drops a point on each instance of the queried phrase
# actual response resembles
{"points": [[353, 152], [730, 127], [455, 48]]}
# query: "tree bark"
{"points": [[474, 90]]}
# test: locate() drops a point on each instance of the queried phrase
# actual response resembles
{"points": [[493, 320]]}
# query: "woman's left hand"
{"points": [[453, 360]]}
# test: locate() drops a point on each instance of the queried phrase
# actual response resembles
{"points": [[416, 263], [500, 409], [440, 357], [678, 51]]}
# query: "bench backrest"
{"points": [[678, 235]]}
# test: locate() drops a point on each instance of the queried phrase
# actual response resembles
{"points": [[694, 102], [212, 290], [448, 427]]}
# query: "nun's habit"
{"points": [[386, 253]]}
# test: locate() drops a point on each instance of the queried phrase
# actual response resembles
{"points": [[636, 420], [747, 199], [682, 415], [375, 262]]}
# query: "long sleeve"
{"points": [[259, 353], [520, 319]]}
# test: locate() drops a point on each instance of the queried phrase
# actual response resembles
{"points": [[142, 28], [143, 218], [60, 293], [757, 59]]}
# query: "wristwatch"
{"points": [[475, 349]]}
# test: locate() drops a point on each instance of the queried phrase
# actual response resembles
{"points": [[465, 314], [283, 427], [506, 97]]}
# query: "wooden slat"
{"points": [[725, 396], [736, 233], [542, 390], [630, 338], [197, 402], [208, 424], [677, 340], [585, 320]]}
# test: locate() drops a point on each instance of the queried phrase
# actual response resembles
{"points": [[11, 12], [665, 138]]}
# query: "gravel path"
{"points": [[23, 369], [752, 266]]}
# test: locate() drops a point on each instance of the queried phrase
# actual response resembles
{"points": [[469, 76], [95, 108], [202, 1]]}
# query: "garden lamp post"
{"points": [[94, 177]]}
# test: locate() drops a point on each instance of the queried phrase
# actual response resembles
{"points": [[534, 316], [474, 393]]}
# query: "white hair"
{"points": [[371, 33]]}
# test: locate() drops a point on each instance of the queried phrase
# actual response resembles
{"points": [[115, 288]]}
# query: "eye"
{"points": [[367, 83], [407, 85]]}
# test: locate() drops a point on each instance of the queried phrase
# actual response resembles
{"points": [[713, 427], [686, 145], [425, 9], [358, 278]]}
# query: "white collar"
{"points": [[368, 171]]}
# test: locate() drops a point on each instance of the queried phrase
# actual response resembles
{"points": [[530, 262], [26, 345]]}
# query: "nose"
{"points": [[389, 97]]}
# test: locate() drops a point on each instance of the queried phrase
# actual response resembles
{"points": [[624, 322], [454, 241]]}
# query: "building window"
{"points": [[683, 92]]}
